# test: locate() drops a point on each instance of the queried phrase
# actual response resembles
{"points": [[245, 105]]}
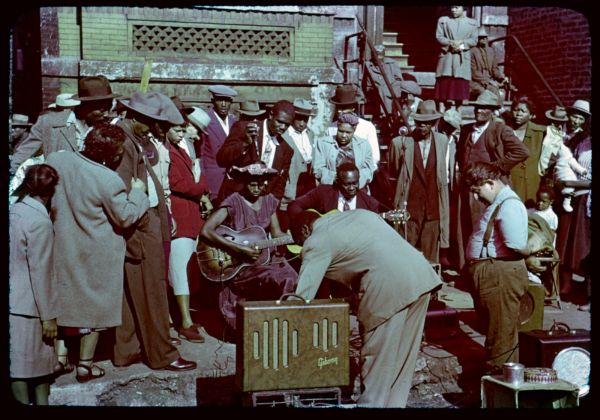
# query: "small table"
{"points": [[495, 393]]}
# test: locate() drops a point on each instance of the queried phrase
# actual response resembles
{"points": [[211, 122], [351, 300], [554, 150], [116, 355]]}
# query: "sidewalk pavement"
{"points": [[445, 376]]}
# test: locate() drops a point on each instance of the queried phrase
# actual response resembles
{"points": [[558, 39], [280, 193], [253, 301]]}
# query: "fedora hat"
{"points": [[20, 120], [254, 170], [222, 90], [251, 107], [94, 88], [199, 118], [581, 106], [345, 95], [180, 105], [154, 105], [453, 117], [558, 113], [426, 111], [487, 99], [304, 107], [481, 33], [66, 100]]}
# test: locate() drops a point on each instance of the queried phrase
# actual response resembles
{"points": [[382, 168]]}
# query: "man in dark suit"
{"points": [[485, 73], [486, 140], [221, 121], [343, 195], [252, 142]]}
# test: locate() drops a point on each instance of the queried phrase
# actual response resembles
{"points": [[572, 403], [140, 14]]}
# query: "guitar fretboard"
{"points": [[267, 243]]}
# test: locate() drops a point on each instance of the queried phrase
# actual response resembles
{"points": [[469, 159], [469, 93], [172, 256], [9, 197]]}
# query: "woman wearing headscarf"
{"points": [[92, 210], [263, 276], [330, 152], [33, 292]]}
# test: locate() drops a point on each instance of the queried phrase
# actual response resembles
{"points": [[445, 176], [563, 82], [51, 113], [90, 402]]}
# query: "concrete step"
{"points": [[390, 37]]}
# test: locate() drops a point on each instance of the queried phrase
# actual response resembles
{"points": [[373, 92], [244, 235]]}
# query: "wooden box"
{"points": [[292, 344], [538, 348]]}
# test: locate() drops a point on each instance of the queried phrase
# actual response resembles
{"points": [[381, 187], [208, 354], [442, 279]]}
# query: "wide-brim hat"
{"points": [[304, 107], [426, 111], [154, 105], [410, 86], [94, 88], [345, 95], [580, 106], [222, 90], [251, 108], [20, 120], [487, 99], [254, 170], [453, 117], [181, 106], [66, 100], [199, 118], [558, 113]]}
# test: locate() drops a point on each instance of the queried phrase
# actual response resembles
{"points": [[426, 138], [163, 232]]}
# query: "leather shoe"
{"points": [[191, 334], [175, 341], [181, 364], [131, 360]]}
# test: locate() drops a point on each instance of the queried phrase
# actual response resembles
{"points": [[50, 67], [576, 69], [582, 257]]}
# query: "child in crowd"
{"points": [[566, 166], [543, 208]]}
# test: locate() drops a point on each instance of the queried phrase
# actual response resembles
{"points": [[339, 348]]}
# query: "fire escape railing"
{"points": [[531, 64]]}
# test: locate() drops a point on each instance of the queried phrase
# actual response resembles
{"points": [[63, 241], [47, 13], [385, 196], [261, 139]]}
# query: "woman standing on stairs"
{"points": [[456, 34]]}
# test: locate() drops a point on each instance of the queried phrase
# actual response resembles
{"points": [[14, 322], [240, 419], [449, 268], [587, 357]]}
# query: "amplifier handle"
{"points": [[286, 295]]}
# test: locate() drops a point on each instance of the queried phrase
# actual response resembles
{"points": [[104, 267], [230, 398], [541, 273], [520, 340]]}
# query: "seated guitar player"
{"points": [[250, 271]]}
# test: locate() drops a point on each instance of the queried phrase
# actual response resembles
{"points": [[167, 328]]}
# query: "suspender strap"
{"points": [[490, 225]]}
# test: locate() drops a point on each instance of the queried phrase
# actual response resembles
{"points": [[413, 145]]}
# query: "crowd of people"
{"points": [[111, 198]]}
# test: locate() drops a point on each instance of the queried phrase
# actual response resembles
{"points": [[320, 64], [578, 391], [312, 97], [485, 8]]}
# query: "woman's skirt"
{"points": [[451, 88]]}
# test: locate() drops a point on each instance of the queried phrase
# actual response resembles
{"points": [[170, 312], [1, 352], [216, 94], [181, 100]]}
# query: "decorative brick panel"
{"points": [[250, 42]]}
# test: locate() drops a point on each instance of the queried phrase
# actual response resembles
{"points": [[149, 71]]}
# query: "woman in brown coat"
{"points": [[92, 208], [33, 294]]}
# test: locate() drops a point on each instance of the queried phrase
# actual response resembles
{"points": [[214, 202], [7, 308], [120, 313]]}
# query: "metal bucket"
{"points": [[514, 373]]}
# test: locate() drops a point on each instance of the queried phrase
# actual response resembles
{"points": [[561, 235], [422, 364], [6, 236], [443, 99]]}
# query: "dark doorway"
{"points": [[26, 64], [416, 27]]}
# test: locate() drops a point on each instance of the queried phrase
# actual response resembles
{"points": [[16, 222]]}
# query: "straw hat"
{"points": [[254, 170], [580, 106], [20, 120], [558, 113]]}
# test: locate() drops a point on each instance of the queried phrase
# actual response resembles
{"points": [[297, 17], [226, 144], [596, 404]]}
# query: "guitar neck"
{"points": [[267, 243]]}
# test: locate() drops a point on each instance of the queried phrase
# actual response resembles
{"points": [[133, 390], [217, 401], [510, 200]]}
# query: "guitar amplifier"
{"points": [[292, 344], [538, 348]]}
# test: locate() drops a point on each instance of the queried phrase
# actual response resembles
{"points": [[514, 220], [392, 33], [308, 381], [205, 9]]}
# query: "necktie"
{"points": [[267, 152], [346, 206]]}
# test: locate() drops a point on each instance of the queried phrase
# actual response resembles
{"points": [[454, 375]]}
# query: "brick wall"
{"points": [[107, 34], [558, 41]]}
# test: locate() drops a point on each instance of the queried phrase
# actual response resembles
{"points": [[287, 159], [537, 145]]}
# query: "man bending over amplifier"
{"points": [[394, 282]]}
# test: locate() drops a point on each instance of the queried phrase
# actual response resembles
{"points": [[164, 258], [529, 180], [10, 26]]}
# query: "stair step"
{"points": [[390, 37]]}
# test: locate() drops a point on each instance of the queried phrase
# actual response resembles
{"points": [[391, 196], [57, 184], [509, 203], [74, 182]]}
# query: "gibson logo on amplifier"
{"points": [[323, 361], [292, 344]]}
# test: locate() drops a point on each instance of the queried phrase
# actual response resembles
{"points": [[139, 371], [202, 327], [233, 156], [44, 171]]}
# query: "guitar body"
{"points": [[218, 266]]}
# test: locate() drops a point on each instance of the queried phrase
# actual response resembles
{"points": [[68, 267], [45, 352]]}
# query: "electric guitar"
{"points": [[218, 266], [394, 216]]}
